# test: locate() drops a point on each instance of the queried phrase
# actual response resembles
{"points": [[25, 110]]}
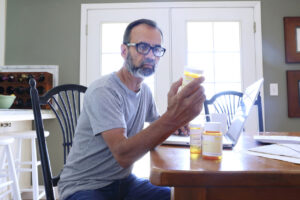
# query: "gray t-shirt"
{"points": [[108, 104]]}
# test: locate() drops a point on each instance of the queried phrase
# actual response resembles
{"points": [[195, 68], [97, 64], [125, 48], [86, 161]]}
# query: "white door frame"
{"points": [[235, 4]]}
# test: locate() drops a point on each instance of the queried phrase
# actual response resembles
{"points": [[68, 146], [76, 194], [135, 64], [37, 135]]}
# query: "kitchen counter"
{"points": [[12, 115]]}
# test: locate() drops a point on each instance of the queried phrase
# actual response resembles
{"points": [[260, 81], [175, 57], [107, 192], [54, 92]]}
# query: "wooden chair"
{"points": [[64, 101], [228, 102]]}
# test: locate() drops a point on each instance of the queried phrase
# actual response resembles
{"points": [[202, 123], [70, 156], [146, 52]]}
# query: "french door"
{"points": [[218, 37], [221, 44], [104, 40]]}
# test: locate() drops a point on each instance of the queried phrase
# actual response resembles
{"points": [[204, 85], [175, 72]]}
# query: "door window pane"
{"points": [[227, 67], [226, 36], [111, 60], [214, 47], [203, 61], [112, 37], [201, 34]]}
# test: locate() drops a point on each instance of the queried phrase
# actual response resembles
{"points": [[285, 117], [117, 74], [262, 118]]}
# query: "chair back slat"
{"points": [[228, 102], [70, 120], [70, 111], [67, 119], [72, 115], [79, 103], [75, 108], [65, 115], [57, 110], [64, 101], [61, 117]]}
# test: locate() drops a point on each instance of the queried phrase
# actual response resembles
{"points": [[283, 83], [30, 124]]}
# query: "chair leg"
{"points": [[2, 167], [13, 174], [35, 184], [18, 157], [2, 159]]}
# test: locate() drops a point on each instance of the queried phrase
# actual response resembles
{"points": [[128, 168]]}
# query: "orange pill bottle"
{"points": [[212, 141], [196, 131]]}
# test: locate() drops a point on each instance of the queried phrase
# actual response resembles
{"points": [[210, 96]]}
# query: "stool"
{"points": [[11, 176], [34, 163]]}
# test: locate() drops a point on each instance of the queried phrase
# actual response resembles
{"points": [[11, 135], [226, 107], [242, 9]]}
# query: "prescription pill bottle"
{"points": [[196, 131], [212, 143], [190, 74]]}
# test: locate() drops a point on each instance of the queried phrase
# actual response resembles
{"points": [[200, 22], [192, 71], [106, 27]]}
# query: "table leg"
{"points": [[191, 193]]}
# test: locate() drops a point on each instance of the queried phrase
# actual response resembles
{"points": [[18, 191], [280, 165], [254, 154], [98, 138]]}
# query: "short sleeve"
{"points": [[152, 113], [104, 110]]}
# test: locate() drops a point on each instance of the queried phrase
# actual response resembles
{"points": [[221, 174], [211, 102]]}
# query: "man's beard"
{"points": [[140, 71]]}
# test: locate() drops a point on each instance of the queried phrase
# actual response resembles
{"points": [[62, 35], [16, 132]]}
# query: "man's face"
{"points": [[140, 65], [143, 69]]}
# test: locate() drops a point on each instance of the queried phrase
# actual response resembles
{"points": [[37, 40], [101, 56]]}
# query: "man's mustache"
{"points": [[148, 61]]}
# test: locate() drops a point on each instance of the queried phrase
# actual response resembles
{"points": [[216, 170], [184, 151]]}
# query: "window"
{"points": [[112, 37], [215, 36], [100, 48], [214, 47]]}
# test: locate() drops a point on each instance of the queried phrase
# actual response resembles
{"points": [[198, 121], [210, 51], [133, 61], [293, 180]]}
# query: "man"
{"points": [[109, 137]]}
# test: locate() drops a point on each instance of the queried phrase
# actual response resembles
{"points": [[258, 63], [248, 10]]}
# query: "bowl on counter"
{"points": [[6, 101]]}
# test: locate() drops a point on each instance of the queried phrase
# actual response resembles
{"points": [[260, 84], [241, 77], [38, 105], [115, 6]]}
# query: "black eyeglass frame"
{"points": [[136, 45]]}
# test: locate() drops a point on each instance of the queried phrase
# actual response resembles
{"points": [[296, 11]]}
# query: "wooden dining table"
{"points": [[237, 176]]}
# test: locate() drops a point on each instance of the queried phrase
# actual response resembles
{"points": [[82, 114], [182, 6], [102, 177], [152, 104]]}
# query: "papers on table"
{"points": [[277, 139], [284, 152]]}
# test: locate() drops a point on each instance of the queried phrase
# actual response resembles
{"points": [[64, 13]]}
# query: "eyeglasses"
{"points": [[144, 48]]}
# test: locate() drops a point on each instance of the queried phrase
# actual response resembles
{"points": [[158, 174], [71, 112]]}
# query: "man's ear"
{"points": [[124, 51]]}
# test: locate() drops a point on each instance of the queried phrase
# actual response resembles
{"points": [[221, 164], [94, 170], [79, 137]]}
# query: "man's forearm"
{"points": [[182, 108], [131, 149]]}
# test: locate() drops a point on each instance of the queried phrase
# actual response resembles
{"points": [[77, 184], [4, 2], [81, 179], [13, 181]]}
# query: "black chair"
{"points": [[228, 102], [64, 101]]}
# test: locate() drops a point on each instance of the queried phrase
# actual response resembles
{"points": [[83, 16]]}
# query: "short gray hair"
{"points": [[126, 37]]}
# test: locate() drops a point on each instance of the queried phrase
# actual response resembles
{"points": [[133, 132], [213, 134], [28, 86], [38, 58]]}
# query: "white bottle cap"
{"points": [[213, 126], [196, 129], [194, 125]]}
